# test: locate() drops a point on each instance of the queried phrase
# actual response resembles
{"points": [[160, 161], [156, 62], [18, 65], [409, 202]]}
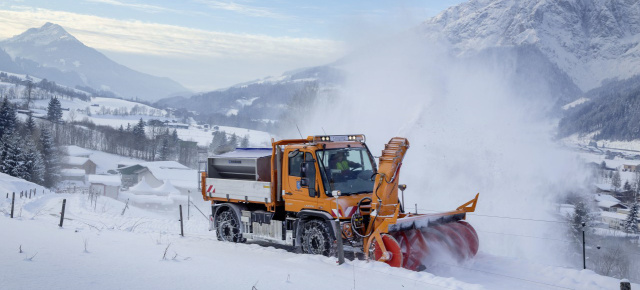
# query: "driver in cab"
{"points": [[343, 164]]}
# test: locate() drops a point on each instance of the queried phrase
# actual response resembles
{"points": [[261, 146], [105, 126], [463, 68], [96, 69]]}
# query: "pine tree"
{"points": [[219, 140], [138, 130], [164, 149], [34, 163], [580, 216], [174, 136], [139, 135], [244, 143], [633, 218], [8, 118], [30, 124], [627, 186], [615, 180], [13, 158], [54, 111], [50, 158]]}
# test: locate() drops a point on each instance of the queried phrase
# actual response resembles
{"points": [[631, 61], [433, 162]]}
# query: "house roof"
{"points": [[178, 174], [111, 180], [72, 172], [78, 161], [605, 186], [606, 197]]}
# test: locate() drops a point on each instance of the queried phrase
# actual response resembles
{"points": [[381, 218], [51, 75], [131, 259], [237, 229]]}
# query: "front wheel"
{"points": [[228, 226], [316, 239]]}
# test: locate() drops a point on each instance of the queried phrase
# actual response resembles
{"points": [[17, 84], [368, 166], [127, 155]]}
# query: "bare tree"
{"points": [[72, 115]]}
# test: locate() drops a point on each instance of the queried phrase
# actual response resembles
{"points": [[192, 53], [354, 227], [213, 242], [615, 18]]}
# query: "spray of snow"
{"points": [[469, 133]]}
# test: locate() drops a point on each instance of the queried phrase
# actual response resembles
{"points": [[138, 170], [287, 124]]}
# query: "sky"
{"points": [[208, 44]]}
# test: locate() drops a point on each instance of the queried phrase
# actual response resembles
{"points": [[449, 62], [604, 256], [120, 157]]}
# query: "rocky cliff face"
{"points": [[591, 41]]}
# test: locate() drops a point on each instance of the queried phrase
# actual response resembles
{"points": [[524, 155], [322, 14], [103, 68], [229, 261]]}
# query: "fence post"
{"points": [[64, 202], [584, 254], [339, 240], [13, 200], [625, 284], [181, 224]]}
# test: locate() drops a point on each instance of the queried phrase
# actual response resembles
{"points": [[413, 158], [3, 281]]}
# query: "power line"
{"points": [[525, 236], [505, 217]]}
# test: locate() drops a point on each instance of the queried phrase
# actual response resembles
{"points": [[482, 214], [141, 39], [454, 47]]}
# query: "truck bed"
{"points": [[238, 189]]}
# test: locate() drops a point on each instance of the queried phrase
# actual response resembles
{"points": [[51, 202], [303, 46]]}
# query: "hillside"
{"points": [[261, 103], [611, 113], [51, 52]]}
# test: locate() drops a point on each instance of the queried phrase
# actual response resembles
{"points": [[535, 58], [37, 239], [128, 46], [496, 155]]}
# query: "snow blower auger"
{"points": [[405, 239]]}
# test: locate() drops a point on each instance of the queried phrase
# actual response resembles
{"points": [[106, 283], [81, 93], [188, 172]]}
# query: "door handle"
{"points": [[288, 193]]}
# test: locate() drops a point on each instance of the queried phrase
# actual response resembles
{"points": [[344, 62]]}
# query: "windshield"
{"points": [[346, 169]]}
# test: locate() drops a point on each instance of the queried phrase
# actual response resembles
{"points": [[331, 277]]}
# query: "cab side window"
{"points": [[294, 164]]}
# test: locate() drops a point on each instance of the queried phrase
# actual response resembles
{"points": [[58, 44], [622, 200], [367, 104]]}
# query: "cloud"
{"points": [[141, 7], [242, 9], [200, 59], [134, 36]]}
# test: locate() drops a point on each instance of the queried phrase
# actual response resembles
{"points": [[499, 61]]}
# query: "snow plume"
{"points": [[470, 131]]}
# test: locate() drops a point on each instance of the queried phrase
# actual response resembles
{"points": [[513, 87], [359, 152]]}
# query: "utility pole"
{"points": [[584, 256]]}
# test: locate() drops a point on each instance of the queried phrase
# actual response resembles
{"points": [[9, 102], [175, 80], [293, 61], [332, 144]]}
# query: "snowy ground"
{"points": [[99, 248]]}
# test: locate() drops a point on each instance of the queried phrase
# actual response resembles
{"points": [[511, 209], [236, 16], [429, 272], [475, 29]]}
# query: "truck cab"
{"points": [[290, 193], [313, 175]]}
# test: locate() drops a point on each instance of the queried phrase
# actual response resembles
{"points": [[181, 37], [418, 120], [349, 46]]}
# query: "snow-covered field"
{"points": [[98, 247], [204, 137]]}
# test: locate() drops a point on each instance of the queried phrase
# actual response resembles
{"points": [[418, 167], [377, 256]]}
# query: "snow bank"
{"points": [[100, 247], [10, 184]]}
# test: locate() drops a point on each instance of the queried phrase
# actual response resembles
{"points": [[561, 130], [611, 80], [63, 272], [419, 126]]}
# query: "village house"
{"points": [[156, 174], [74, 162], [107, 185], [608, 203]]}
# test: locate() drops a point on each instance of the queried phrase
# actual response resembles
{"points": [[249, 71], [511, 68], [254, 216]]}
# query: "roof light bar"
{"points": [[340, 138]]}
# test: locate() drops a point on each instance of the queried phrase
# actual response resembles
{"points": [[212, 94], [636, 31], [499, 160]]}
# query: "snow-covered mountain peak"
{"points": [[43, 36], [590, 40]]}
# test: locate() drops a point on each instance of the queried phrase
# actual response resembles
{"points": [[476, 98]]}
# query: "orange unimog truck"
{"points": [[293, 193]]}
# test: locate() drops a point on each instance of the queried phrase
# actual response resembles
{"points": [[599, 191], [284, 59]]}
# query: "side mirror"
{"points": [[308, 174]]}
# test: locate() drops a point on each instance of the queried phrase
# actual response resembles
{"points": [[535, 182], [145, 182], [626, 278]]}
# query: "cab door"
{"points": [[296, 194]]}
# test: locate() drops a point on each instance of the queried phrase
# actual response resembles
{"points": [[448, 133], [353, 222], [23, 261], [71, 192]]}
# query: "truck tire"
{"points": [[228, 226], [316, 239]]}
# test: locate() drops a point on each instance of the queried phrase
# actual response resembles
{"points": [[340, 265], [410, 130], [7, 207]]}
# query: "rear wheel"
{"points": [[228, 226], [316, 239]]}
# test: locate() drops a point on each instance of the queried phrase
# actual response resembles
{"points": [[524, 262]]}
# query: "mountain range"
{"points": [[591, 41], [570, 49], [51, 52]]}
